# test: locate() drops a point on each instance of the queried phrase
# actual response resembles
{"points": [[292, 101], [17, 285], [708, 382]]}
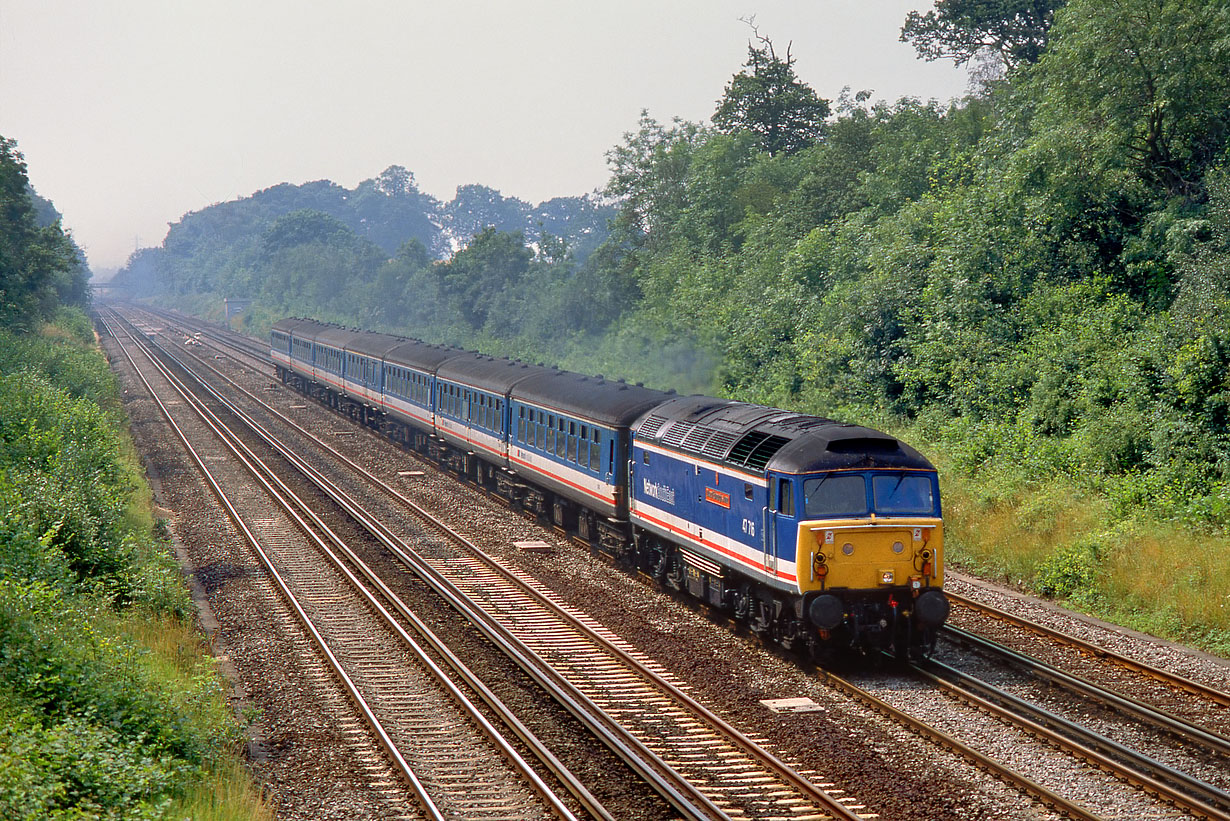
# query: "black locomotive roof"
{"points": [[487, 373], [755, 437], [615, 404]]}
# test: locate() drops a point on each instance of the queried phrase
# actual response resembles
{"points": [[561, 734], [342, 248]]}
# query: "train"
{"points": [[823, 537]]}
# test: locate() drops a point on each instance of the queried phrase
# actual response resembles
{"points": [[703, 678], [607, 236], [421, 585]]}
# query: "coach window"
{"points": [[550, 446], [561, 439], [542, 440], [583, 448], [595, 453], [572, 441]]}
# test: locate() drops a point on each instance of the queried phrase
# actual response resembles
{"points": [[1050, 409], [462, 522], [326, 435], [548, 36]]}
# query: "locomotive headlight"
{"points": [[898, 547], [887, 576], [848, 549]]}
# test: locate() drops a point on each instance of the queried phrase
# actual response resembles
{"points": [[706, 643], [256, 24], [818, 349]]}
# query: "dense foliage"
{"points": [[92, 725], [322, 248], [40, 266], [89, 723]]}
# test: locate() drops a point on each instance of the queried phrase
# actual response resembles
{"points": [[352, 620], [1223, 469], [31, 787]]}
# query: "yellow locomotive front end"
{"points": [[870, 550]]}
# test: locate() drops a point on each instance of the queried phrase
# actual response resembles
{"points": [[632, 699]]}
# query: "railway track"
{"points": [[1220, 697], [675, 742], [468, 769], [1125, 763], [477, 575]]}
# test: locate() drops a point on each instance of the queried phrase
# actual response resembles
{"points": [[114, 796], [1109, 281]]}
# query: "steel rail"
{"points": [[984, 762], [1154, 716], [1165, 676], [657, 773], [237, 341], [280, 494], [1158, 718], [370, 717], [1171, 785]]}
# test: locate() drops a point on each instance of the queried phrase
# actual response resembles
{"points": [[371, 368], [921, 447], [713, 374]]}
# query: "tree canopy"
{"points": [[40, 266], [1015, 31], [768, 99]]}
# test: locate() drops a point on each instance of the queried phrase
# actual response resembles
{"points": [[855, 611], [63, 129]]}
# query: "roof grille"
{"points": [[652, 425], [719, 445], [696, 439], [674, 435], [756, 449]]}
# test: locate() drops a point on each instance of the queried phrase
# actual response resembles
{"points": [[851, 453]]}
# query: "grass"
{"points": [[1057, 539], [178, 652], [225, 794]]}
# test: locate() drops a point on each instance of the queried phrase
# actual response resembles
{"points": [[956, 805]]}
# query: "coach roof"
{"points": [[336, 337], [374, 345], [487, 373], [421, 356], [302, 328], [615, 404]]}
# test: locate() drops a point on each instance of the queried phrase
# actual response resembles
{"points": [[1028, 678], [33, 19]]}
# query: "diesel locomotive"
{"points": [[818, 535]]}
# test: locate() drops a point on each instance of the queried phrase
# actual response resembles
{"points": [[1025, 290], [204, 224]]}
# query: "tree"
{"points": [[1014, 30], [1147, 80], [649, 173], [768, 99], [40, 266], [477, 274], [396, 181]]}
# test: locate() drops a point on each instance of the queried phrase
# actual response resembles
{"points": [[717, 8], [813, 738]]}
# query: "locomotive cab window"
{"points": [[903, 493], [835, 494]]}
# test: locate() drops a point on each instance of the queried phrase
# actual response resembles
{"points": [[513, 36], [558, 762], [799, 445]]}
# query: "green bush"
{"points": [[1072, 572], [91, 724]]}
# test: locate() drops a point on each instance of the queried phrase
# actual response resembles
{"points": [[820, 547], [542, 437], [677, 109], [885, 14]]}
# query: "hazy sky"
{"points": [[131, 113]]}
